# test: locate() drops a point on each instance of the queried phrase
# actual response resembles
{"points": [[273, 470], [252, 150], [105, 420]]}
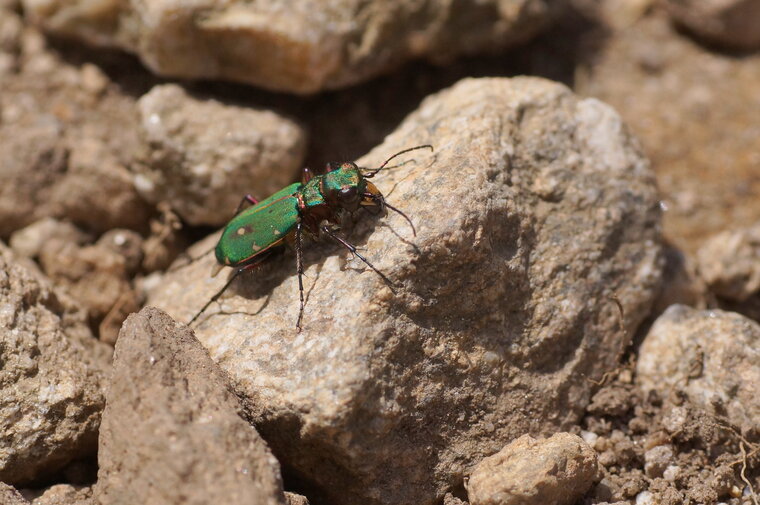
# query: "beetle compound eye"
{"points": [[349, 193]]}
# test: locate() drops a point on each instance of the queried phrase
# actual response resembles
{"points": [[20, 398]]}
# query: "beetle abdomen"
{"points": [[259, 228]]}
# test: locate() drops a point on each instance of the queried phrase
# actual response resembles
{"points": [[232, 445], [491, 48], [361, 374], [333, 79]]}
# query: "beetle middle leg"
{"points": [[247, 198], [352, 248]]}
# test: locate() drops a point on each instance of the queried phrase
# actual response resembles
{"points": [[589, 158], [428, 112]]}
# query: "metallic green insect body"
{"points": [[313, 206]]}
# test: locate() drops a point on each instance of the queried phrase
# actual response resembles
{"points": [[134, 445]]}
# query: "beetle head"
{"points": [[344, 187]]}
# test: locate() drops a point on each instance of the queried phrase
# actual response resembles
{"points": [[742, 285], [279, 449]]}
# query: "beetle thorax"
{"points": [[343, 187]]}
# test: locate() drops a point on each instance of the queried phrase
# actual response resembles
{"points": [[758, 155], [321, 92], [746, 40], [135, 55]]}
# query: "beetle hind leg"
{"points": [[299, 269]]}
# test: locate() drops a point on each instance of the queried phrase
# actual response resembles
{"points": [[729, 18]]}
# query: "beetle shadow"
{"points": [[261, 281]]}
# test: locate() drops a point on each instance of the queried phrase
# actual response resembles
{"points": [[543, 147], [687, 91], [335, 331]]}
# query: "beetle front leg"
{"points": [[352, 248]]}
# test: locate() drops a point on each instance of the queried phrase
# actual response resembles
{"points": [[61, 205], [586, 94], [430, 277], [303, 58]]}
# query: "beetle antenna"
{"points": [[384, 204], [394, 209], [373, 171]]}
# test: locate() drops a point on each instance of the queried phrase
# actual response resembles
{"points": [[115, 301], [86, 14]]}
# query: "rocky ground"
{"points": [[573, 317]]}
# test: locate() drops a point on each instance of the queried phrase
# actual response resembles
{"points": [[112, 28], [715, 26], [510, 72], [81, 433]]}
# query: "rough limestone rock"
{"points": [[202, 156], [732, 23], [730, 263], [51, 379], [171, 431], [712, 355], [301, 46], [557, 470], [535, 212]]}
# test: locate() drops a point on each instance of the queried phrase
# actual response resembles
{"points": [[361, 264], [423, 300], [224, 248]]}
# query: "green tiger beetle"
{"points": [[309, 206]]}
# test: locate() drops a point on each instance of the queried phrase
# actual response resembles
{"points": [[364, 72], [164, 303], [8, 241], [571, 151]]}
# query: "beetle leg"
{"points": [[353, 250], [218, 294], [299, 269], [306, 175], [247, 198], [239, 270]]}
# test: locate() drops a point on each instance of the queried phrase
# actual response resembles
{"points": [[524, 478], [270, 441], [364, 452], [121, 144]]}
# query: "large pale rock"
{"points": [[201, 155], [171, 431], [711, 355], [732, 23], [557, 471], [51, 377], [299, 46], [534, 211]]}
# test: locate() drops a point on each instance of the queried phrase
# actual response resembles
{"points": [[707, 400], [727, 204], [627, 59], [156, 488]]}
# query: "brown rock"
{"points": [[202, 156], [695, 112], [711, 355], [730, 263], [303, 46], [557, 471], [51, 379], [31, 240], [731, 23], [66, 144], [171, 431], [295, 499], [657, 459], [94, 275], [127, 244], [535, 208], [11, 27], [165, 241], [450, 499], [65, 494]]}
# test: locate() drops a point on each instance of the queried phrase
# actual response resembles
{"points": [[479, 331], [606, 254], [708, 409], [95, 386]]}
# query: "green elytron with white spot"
{"points": [[313, 206]]}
